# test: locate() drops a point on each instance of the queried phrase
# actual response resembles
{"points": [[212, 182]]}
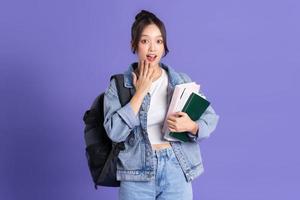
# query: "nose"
{"points": [[152, 46]]}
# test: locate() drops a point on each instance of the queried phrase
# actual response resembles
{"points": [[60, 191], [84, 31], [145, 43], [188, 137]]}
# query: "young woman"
{"points": [[151, 167]]}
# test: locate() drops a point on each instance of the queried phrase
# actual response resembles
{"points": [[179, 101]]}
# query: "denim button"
{"points": [[131, 140]]}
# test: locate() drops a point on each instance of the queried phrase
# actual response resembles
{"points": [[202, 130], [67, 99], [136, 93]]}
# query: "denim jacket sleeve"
{"points": [[207, 122], [118, 120]]}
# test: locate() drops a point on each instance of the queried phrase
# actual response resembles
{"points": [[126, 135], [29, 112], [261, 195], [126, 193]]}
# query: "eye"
{"points": [[144, 41], [160, 41]]}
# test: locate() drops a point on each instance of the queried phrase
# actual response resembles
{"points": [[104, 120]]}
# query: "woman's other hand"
{"points": [[181, 122]]}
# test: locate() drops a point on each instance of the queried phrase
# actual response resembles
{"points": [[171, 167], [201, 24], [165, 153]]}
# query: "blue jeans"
{"points": [[170, 182]]}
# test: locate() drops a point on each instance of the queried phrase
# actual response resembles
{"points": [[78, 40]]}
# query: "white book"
{"points": [[180, 96]]}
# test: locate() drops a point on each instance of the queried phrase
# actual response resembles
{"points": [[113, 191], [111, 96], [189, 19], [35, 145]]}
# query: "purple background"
{"points": [[56, 56]]}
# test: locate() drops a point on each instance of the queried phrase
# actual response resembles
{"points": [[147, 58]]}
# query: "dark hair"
{"points": [[143, 19]]}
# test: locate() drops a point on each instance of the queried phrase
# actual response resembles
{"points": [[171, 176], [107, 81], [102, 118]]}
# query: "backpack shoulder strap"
{"points": [[123, 92]]}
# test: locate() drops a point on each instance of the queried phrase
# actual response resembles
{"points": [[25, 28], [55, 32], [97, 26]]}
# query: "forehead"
{"points": [[151, 31]]}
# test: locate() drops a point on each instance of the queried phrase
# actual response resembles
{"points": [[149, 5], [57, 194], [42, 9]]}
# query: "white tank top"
{"points": [[158, 109]]}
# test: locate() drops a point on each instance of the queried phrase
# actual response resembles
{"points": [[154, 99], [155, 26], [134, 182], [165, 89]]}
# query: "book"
{"points": [[195, 106], [180, 96]]}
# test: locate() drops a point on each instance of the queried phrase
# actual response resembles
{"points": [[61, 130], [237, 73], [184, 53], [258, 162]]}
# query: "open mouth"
{"points": [[151, 57]]}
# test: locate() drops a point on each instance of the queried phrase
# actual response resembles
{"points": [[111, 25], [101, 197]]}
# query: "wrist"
{"points": [[139, 95], [195, 128]]}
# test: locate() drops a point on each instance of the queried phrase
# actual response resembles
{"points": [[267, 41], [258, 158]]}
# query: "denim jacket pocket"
{"points": [[193, 158], [132, 157]]}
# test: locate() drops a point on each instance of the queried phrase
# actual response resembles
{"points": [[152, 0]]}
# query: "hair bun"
{"points": [[143, 14]]}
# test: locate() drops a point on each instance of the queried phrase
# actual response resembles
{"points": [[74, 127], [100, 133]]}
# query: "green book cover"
{"points": [[195, 106]]}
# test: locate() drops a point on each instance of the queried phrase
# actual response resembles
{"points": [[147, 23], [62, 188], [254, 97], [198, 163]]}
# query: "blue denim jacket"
{"points": [[135, 163]]}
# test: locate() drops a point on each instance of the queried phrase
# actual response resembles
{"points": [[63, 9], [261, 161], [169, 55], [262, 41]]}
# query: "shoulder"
{"points": [[177, 77], [112, 88], [185, 78]]}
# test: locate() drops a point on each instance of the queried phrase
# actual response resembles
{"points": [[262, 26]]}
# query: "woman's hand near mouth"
{"points": [[142, 83]]}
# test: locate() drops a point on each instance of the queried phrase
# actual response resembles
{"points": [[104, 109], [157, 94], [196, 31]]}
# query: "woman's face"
{"points": [[151, 45]]}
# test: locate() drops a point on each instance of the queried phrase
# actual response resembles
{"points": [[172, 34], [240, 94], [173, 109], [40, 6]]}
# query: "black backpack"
{"points": [[101, 152]]}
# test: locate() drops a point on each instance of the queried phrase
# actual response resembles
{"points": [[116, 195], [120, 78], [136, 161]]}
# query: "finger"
{"points": [[146, 68], [175, 127], [172, 126], [172, 129], [149, 67], [171, 122], [172, 119], [138, 70], [141, 68], [174, 116]]}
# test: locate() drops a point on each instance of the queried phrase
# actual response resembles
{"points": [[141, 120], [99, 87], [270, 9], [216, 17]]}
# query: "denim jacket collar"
{"points": [[174, 77]]}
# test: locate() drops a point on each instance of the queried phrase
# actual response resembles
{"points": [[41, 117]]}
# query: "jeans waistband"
{"points": [[163, 152]]}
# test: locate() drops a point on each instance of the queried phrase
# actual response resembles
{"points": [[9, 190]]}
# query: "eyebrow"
{"points": [[149, 36]]}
